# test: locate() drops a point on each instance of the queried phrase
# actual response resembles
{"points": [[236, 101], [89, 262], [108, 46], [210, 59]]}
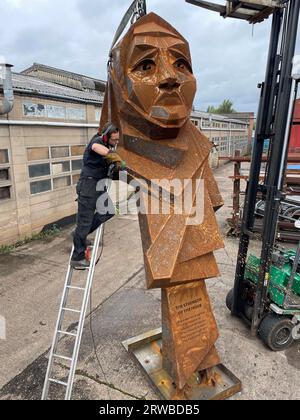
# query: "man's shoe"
{"points": [[80, 265]]}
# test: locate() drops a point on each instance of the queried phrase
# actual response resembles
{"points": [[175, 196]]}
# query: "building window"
{"points": [[76, 165], [77, 150], [62, 182], [40, 170], [4, 175], [4, 156], [37, 153], [206, 124], [40, 186], [5, 179], [48, 163], [97, 114], [60, 167], [60, 152], [5, 193]]}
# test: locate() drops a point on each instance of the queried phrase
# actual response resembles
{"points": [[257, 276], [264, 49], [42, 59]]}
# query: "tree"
{"points": [[212, 110], [226, 107]]}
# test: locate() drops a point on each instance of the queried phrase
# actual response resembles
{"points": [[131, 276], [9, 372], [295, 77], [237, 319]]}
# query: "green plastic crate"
{"points": [[279, 277]]}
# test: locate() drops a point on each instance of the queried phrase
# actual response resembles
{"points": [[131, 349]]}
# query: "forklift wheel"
{"points": [[276, 332], [229, 299]]}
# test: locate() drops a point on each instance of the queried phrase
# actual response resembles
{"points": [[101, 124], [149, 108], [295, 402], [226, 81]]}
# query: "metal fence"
{"points": [[229, 147]]}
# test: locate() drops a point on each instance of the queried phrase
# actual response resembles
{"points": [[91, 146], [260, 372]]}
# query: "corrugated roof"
{"points": [[23, 83], [49, 69], [32, 85], [216, 117]]}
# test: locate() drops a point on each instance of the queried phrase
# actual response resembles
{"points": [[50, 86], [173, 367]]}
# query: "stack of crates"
{"points": [[279, 277]]}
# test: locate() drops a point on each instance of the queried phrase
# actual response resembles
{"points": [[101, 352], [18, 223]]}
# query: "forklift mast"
{"points": [[278, 94]]}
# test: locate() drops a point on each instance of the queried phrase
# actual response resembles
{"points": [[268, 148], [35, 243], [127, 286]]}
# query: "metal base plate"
{"points": [[146, 350]]}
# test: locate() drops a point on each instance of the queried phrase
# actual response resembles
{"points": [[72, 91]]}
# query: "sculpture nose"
{"points": [[168, 79]]}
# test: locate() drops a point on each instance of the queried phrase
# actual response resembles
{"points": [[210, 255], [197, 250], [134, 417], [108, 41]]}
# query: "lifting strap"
{"points": [[136, 10]]}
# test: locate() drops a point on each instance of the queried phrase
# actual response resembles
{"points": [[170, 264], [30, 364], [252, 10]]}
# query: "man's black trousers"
{"points": [[88, 219]]}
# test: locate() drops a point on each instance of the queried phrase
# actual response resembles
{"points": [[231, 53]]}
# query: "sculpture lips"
{"points": [[169, 99]]}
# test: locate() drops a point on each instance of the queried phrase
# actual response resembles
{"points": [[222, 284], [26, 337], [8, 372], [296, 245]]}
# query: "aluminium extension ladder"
{"points": [[59, 333]]}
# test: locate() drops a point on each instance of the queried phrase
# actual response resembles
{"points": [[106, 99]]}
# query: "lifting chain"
{"points": [[140, 11], [134, 13]]}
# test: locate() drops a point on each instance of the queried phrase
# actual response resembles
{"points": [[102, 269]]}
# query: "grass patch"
{"points": [[49, 233]]}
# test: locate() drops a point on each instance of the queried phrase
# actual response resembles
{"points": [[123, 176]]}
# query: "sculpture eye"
{"points": [[145, 66], [183, 65]]}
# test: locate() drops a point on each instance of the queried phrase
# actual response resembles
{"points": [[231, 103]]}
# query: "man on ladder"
{"points": [[100, 163], [98, 157]]}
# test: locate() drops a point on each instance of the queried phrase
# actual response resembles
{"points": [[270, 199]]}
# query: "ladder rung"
{"points": [[62, 357], [81, 269], [67, 333], [75, 288], [55, 381], [71, 310]]}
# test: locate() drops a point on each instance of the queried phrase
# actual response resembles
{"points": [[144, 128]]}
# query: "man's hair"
{"points": [[109, 129]]}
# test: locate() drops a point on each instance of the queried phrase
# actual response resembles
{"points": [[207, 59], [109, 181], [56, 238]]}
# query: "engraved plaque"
{"points": [[189, 331]]}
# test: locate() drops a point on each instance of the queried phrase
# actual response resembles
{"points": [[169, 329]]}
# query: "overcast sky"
{"points": [[229, 61]]}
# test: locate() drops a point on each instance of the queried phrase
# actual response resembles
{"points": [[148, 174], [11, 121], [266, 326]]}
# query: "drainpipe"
{"points": [[7, 102]]}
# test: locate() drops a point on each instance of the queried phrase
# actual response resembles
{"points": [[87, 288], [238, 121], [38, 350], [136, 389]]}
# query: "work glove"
{"points": [[114, 159]]}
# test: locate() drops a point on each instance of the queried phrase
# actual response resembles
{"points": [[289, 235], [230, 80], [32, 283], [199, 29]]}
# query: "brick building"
{"points": [[41, 146]]}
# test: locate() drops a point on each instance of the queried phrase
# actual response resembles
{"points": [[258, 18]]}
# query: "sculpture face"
{"points": [[161, 79], [156, 75]]}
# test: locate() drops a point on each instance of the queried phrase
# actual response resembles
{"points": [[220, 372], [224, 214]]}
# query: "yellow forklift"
{"points": [[266, 293]]}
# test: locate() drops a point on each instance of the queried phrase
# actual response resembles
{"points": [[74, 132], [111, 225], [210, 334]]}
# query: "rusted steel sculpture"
{"points": [[152, 89]]}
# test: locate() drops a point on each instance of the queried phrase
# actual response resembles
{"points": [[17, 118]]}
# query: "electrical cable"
{"points": [[91, 314], [91, 323]]}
